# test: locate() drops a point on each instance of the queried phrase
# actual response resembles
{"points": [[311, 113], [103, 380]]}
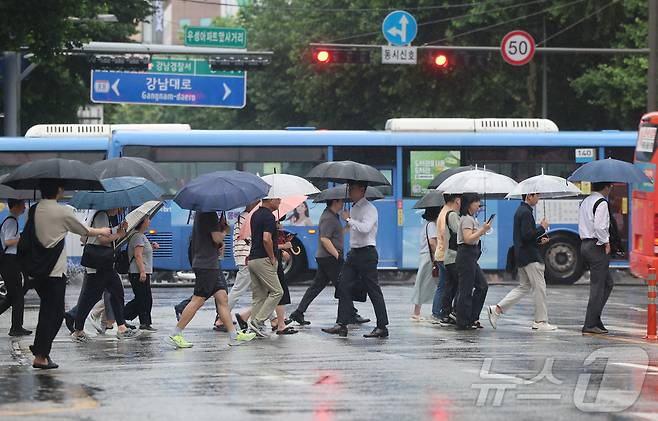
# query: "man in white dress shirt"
{"points": [[361, 265], [594, 230]]}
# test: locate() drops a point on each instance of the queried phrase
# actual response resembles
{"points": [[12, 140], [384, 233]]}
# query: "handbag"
{"points": [[435, 264], [96, 256]]}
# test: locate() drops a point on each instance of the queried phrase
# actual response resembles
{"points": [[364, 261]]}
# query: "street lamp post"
{"points": [[653, 55]]}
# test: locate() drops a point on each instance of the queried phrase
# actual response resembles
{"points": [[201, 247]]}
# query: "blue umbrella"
{"points": [[120, 192], [221, 191], [612, 170]]}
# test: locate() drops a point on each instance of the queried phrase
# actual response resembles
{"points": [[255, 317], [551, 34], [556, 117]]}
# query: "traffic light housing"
{"points": [[237, 61], [441, 61], [324, 56]]}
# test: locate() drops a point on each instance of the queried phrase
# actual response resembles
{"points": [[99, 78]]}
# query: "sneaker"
{"points": [[242, 338], [447, 320], [435, 320], [129, 334], [147, 328], [20, 332], [179, 341], [258, 329], [453, 317], [494, 316], [130, 326], [80, 337], [298, 317], [97, 324], [241, 323], [543, 327]]}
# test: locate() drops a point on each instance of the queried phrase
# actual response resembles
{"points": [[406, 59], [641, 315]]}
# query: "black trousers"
{"points": [[450, 289], [361, 266], [600, 284], [472, 285], [92, 291], [142, 304], [328, 271], [51, 313], [13, 278]]}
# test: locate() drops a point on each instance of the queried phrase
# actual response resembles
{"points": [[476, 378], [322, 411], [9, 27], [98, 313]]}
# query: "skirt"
{"points": [[426, 284]]}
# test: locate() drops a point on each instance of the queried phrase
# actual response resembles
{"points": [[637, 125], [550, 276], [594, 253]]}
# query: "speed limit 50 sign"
{"points": [[517, 48]]}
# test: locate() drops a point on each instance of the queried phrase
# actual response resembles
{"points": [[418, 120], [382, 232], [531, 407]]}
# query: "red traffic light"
{"points": [[322, 56], [441, 61]]}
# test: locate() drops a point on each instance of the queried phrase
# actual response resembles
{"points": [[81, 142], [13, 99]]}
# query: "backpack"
{"points": [[36, 260], [3, 250], [616, 246]]}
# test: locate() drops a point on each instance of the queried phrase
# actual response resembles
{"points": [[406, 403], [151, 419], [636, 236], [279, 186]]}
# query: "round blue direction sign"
{"points": [[399, 28]]}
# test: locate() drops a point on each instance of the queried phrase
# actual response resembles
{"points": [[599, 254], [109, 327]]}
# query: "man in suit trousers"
{"points": [[361, 265], [528, 236]]}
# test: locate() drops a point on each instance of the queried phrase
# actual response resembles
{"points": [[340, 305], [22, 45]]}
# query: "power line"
{"points": [[343, 9], [467, 15], [578, 22], [485, 28]]}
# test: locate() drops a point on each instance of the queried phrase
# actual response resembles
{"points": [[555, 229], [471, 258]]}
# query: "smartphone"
{"points": [[491, 218]]}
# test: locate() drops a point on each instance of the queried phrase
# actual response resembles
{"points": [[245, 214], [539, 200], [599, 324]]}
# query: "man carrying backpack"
{"points": [[42, 255], [10, 269]]}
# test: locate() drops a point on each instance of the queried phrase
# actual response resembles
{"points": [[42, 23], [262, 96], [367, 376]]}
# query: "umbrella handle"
{"points": [[296, 250]]}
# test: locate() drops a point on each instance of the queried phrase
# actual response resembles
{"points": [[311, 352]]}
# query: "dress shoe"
{"points": [[340, 330], [377, 332], [358, 319], [298, 317], [603, 328], [594, 330], [20, 332]]}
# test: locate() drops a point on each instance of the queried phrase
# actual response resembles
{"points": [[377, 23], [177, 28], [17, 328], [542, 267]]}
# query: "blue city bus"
{"points": [[410, 152]]}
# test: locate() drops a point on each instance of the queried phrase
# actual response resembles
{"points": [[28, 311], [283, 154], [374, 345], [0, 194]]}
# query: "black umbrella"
{"points": [[443, 176], [338, 193], [131, 167], [432, 199], [348, 172], [75, 175], [7, 192]]}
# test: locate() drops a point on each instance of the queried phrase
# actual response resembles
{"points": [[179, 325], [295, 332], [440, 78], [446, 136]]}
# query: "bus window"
{"points": [[378, 157], [523, 162]]}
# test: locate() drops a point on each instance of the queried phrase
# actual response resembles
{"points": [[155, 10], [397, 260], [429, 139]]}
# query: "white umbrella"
{"points": [[477, 181], [286, 185], [135, 217], [548, 187]]}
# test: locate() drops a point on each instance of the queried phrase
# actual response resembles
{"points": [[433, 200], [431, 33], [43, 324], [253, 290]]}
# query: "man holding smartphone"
{"points": [[528, 237]]}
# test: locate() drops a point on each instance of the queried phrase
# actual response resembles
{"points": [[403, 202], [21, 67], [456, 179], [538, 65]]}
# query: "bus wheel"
{"points": [[564, 264], [295, 269]]}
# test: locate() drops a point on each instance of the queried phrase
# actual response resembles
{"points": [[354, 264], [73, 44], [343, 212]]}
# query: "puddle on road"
{"points": [[25, 392]]}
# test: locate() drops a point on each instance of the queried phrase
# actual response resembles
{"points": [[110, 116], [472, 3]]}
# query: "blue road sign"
{"points": [[168, 89], [399, 28]]}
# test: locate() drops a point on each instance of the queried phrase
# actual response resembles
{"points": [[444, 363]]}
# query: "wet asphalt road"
{"points": [[420, 372]]}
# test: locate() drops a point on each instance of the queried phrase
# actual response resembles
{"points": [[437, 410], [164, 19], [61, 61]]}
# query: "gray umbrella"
{"points": [[131, 167], [74, 175], [432, 199], [348, 172], [7, 192], [443, 176], [340, 193]]}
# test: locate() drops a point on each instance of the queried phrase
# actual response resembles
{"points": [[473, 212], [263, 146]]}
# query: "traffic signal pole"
{"points": [[11, 92]]}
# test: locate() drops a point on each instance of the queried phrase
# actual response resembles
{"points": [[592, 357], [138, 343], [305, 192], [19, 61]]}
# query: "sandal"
{"points": [[287, 331]]}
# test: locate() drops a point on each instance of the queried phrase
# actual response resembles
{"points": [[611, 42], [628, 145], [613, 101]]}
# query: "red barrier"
{"points": [[651, 307]]}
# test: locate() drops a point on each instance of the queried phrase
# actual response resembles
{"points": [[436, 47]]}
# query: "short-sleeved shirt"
{"points": [[261, 221], [467, 222], [140, 240], [98, 220], [10, 231], [330, 228], [205, 254], [453, 224], [241, 246], [52, 222], [428, 231]]}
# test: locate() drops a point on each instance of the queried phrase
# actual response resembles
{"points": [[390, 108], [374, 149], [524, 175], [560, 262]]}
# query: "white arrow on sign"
{"points": [[115, 87], [403, 32], [227, 91]]}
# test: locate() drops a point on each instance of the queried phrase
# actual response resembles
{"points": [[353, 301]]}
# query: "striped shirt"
{"points": [[241, 247]]}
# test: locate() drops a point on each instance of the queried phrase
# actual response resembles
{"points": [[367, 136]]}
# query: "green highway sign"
{"points": [[187, 67], [209, 36]]}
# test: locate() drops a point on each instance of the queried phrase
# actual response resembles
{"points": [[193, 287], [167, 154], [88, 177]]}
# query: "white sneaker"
{"points": [[543, 327], [494, 316], [435, 320]]}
